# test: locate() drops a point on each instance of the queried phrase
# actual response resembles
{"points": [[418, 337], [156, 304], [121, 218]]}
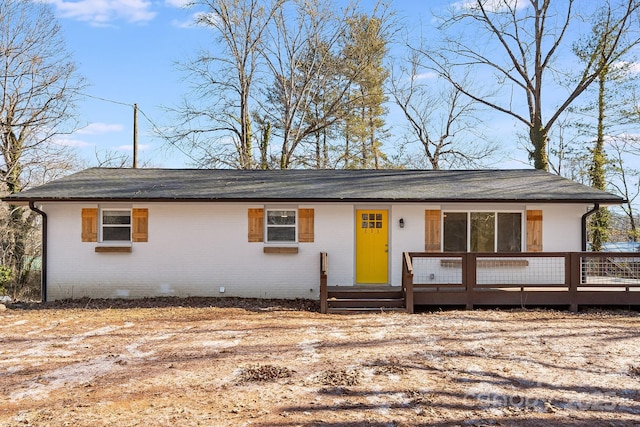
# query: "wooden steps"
{"points": [[364, 299]]}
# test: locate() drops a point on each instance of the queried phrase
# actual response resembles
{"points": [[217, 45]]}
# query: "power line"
{"points": [[155, 127], [104, 99], [159, 131]]}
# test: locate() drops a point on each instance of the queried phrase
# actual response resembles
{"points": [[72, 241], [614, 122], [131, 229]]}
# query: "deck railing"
{"points": [[324, 292], [569, 279], [540, 278]]}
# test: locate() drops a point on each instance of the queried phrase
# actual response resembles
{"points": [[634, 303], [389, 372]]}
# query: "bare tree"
{"points": [[568, 155], [109, 158], [624, 179], [39, 83], [214, 120], [527, 40], [306, 55], [441, 119]]}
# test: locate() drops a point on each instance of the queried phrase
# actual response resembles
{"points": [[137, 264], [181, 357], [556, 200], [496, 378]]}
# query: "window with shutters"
{"points": [[281, 225], [482, 231], [115, 225]]}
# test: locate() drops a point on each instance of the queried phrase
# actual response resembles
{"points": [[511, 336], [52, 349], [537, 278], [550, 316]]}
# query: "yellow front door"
{"points": [[372, 247]]}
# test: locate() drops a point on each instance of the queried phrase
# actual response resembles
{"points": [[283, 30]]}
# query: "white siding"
{"points": [[195, 249]]}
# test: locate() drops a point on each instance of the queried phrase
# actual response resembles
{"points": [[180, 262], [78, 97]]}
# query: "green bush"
{"points": [[5, 278]]}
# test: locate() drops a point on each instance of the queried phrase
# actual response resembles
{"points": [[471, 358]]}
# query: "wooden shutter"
{"points": [[89, 224], [534, 231], [256, 225], [432, 220], [305, 225], [140, 224]]}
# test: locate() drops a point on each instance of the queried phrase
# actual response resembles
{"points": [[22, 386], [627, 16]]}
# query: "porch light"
{"points": [[401, 222]]}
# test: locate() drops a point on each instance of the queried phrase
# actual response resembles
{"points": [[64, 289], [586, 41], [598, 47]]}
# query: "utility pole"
{"points": [[135, 136]]}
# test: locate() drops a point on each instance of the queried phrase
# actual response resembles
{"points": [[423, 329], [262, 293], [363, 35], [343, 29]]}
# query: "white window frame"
{"points": [[495, 234], [267, 225], [101, 227]]}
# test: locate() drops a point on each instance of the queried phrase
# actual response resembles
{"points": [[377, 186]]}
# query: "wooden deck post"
{"points": [[573, 265], [324, 294], [407, 281], [469, 263]]}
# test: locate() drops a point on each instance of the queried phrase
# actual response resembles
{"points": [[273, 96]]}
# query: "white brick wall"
{"points": [[194, 249]]}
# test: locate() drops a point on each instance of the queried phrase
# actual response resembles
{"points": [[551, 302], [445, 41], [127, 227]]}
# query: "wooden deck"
{"points": [[472, 280]]}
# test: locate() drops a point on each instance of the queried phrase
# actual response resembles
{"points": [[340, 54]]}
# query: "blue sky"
{"points": [[128, 49]]}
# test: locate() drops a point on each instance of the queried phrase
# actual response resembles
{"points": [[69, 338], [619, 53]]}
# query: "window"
{"points": [[116, 225], [281, 226], [455, 232], [482, 231], [370, 220], [509, 232]]}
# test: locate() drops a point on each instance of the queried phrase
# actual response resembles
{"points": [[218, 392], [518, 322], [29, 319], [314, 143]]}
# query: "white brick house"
{"points": [[159, 232]]}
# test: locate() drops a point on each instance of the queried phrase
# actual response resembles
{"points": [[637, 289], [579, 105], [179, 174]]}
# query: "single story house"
{"points": [[132, 233]]}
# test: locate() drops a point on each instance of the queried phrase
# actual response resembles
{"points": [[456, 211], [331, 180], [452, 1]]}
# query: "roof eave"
{"points": [[25, 200]]}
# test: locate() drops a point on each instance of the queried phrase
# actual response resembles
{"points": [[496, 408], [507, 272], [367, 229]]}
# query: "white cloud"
{"points": [[624, 136], [424, 76], [69, 142], [634, 67], [100, 128], [492, 5], [129, 147], [181, 24], [102, 12], [177, 3], [629, 67], [191, 22]]}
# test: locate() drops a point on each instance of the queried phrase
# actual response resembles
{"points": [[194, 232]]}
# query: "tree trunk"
{"points": [[539, 138], [600, 221], [264, 146], [246, 157], [632, 225]]}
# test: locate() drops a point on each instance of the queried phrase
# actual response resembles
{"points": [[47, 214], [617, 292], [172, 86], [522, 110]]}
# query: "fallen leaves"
{"points": [[339, 377], [263, 373]]}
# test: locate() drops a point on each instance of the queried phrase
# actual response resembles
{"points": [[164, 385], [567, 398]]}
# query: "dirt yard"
{"points": [[275, 365]]}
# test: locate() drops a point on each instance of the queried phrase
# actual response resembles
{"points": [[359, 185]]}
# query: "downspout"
{"points": [[596, 208], [43, 270]]}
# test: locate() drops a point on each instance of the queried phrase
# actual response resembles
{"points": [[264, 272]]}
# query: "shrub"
{"points": [[5, 278]]}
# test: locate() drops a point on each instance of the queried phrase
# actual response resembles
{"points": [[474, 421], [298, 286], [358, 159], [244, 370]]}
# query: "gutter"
{"points": [[43, 270], [596, 208]]}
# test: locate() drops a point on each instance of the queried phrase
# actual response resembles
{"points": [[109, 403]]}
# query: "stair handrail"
{"points": [[407, 281], [324, 270]]}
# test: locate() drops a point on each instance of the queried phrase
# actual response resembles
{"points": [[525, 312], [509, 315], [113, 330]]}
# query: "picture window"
{"points": [[482, 231]]}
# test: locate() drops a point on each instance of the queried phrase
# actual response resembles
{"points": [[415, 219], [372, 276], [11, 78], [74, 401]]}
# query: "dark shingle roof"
{"points": [[526, 185]]}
